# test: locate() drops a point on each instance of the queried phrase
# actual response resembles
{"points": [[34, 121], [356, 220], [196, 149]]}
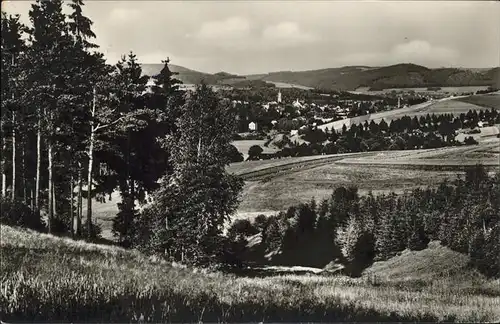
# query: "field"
{"points": [[487, 100], [457, 90], [48, 279], [450, 105], [275, 187], [244, 145]]}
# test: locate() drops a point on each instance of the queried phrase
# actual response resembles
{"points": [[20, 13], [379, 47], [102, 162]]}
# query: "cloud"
{"points": [[287, 33], [415, 51], [419, 50], [230, 28], [123, 15]]}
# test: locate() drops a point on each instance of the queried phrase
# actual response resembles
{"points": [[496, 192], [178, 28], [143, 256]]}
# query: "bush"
{"points": [[261, 222], [95, 234], [254, 152], [242, 227], [234, 155], [418, 240], [356, 245], [470, 141], [16, 213]]}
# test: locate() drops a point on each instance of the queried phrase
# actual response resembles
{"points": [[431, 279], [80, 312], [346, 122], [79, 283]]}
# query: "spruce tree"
{"points": [[198, 197]]}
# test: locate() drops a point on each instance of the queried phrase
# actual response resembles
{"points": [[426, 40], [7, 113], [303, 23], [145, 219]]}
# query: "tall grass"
{"points": [[46, 279]]}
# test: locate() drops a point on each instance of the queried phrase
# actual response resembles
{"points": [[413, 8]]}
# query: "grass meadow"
{"points": [[47, 279], [485, 100]]}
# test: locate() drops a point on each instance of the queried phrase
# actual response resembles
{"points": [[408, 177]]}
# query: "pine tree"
{"points": [[13, 49], [199, 196], [131, 86]]}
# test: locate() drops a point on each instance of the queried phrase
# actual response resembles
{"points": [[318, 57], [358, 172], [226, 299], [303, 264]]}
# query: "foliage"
{"points": [[85, 287], [242, 227], [463, 214], [16, 213], [234, 155], [254, 152], [195, 200], [356, 245]]}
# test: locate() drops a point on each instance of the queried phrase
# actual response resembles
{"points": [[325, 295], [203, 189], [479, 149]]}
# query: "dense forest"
{"points": [[355, 230], [75, 128]]}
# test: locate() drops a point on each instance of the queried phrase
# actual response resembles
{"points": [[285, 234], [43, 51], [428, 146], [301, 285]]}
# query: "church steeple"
{"points": [[279, 96]]}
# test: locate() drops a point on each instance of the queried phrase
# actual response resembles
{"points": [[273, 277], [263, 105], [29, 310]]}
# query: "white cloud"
{"points": [[123, 15], [230, 28], [419, 50], [415, 51], [287, 33]]}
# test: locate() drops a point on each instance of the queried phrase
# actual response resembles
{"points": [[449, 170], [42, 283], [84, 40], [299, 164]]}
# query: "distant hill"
{"points": [[377, 78], [348, 77]]}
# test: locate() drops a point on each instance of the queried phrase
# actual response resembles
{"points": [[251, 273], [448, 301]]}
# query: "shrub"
{"points": [[470, 141], [242, 227], [261, 222], [254, 152], [356, 245], [418, 240], [96, 231], [234, 155], [16, 213]]}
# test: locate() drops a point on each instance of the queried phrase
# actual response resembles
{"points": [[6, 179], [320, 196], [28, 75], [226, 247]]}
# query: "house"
{"points": [[252, 127], [297, 104], [480, 124]]}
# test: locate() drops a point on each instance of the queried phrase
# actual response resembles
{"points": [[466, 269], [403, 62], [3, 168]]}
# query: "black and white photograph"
{"points": [[250, 161]]}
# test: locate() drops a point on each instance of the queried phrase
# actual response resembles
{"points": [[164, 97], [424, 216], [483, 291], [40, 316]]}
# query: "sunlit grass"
{"points": [[53, 279]]}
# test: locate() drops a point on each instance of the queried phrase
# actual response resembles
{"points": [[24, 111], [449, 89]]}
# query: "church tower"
{"points": [[279, 96]]}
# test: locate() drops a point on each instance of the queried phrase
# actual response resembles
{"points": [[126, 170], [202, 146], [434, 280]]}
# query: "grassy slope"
{"points": [[486, 100], [53, 279], [379, 172], [443, 106]]}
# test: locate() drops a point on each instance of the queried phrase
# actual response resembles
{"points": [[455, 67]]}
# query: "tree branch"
{"points": [[99, 127]]}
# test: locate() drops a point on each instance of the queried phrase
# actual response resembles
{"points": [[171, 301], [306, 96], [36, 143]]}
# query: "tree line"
{"points": [[463, 214], [76, 128], [405, 133]]}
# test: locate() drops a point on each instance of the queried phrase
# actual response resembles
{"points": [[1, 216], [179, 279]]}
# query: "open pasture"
{"points": [[244, 145], [378, 172], [491, 100], [301, 186], [42, 275]]}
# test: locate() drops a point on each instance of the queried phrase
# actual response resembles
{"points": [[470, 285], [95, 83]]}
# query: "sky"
{"points": [[251, 37]]}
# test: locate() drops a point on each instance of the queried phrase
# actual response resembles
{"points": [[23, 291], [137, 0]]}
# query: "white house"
{"points": [[297, 104], [252, 127]]}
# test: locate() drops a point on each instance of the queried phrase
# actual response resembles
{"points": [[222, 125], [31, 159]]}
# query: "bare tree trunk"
{"points": [[71, 200], [4, 171], [91, 162], [38, 159], [89, 184], [51, 211], [79, 210], [23, 168], [13, 153], [54, 209], [32, 198]]}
